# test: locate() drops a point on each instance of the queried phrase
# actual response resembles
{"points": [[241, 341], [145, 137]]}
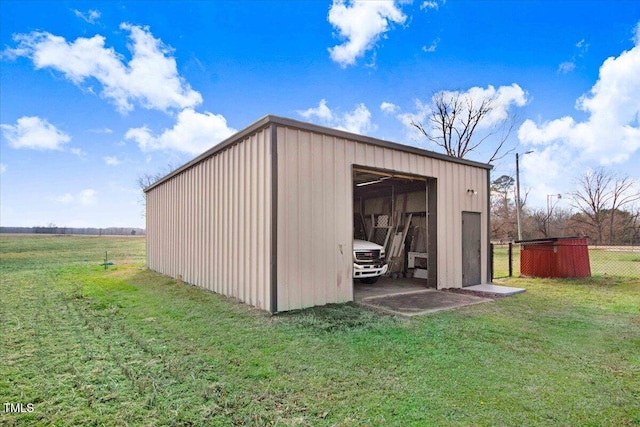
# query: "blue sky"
{"points": [[95, 94]]}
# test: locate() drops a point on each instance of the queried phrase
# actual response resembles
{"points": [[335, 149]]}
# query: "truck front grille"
{"points": [[368, 255]]}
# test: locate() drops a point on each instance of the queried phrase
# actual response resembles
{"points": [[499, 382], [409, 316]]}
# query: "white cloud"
{"points": [[432, 47], [65, 199], [611, 132], [193, 133], [112, 160], [83, 198], [429, 5], [356, 121], [321, 112], [3, 168], [79, 152], [389, 108], [502, 100], [86, 197], [547, 172], [91, 16], [580, 50], [102, 130], [150, 78], [566, 67], [35, 133], [422, 110], [361, 24]]}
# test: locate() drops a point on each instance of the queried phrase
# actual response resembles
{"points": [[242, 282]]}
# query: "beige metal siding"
{"points": [[315, 213], [211, 222], [210, 225], [314, 220]]}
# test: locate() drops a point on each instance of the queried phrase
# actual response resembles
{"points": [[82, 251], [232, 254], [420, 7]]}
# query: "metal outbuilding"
{"points": [[268, 216]]}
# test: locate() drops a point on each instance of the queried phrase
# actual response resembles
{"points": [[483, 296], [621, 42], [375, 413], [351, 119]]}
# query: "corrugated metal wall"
{"points": [[315, 213], [314, 230], [210, 225]]}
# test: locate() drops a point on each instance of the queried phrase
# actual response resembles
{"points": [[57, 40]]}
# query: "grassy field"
{"points": [[125, 346]]}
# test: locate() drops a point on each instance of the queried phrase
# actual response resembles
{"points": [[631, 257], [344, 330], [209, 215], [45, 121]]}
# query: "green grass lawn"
{"points": [[126, 346]]}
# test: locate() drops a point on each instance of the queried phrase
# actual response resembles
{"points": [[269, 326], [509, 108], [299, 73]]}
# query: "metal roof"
{"points": [[296, 124]]}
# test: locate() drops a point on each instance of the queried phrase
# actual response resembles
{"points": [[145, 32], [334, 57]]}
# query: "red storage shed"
{"points": [[555, 257]]}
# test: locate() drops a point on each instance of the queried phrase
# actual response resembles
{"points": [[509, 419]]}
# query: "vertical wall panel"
{"points": [[263, 270], [227, 213], [318, 212], [306, 214], [242, 250], [219, 242], [211, 224], [329, 255], [206, 215]]}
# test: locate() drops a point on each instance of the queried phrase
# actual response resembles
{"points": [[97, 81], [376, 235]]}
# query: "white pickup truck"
{"points": [[368, 261]]}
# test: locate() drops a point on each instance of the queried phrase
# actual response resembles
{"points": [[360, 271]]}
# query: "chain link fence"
{"points": [[615, 260], [505, 260], [508, 259]]}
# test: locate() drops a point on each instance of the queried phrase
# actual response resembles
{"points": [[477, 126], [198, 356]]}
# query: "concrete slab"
{"points": [[494, 289], [415, 303], [387, 286]]}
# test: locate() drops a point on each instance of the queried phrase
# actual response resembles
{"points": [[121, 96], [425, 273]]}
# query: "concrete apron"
{"points": [[419, 302]]}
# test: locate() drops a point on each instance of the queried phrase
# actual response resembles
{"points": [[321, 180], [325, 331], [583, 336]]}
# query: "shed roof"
{"points": [[291, 123]]}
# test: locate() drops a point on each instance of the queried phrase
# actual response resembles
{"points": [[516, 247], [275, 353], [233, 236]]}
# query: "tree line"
{"points": [[53, 229], [603, 207]]}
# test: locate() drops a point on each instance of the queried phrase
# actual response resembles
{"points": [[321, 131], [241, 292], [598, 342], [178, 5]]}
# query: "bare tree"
{"points": [[549, 222], [454, 121], [540, 221], [621, 195], [600, 195], [634, 225], [146, 179], [592, 199]]}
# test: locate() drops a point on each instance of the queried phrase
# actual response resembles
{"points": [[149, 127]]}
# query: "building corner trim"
{"points": [[489, 257], [274, 219]]}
